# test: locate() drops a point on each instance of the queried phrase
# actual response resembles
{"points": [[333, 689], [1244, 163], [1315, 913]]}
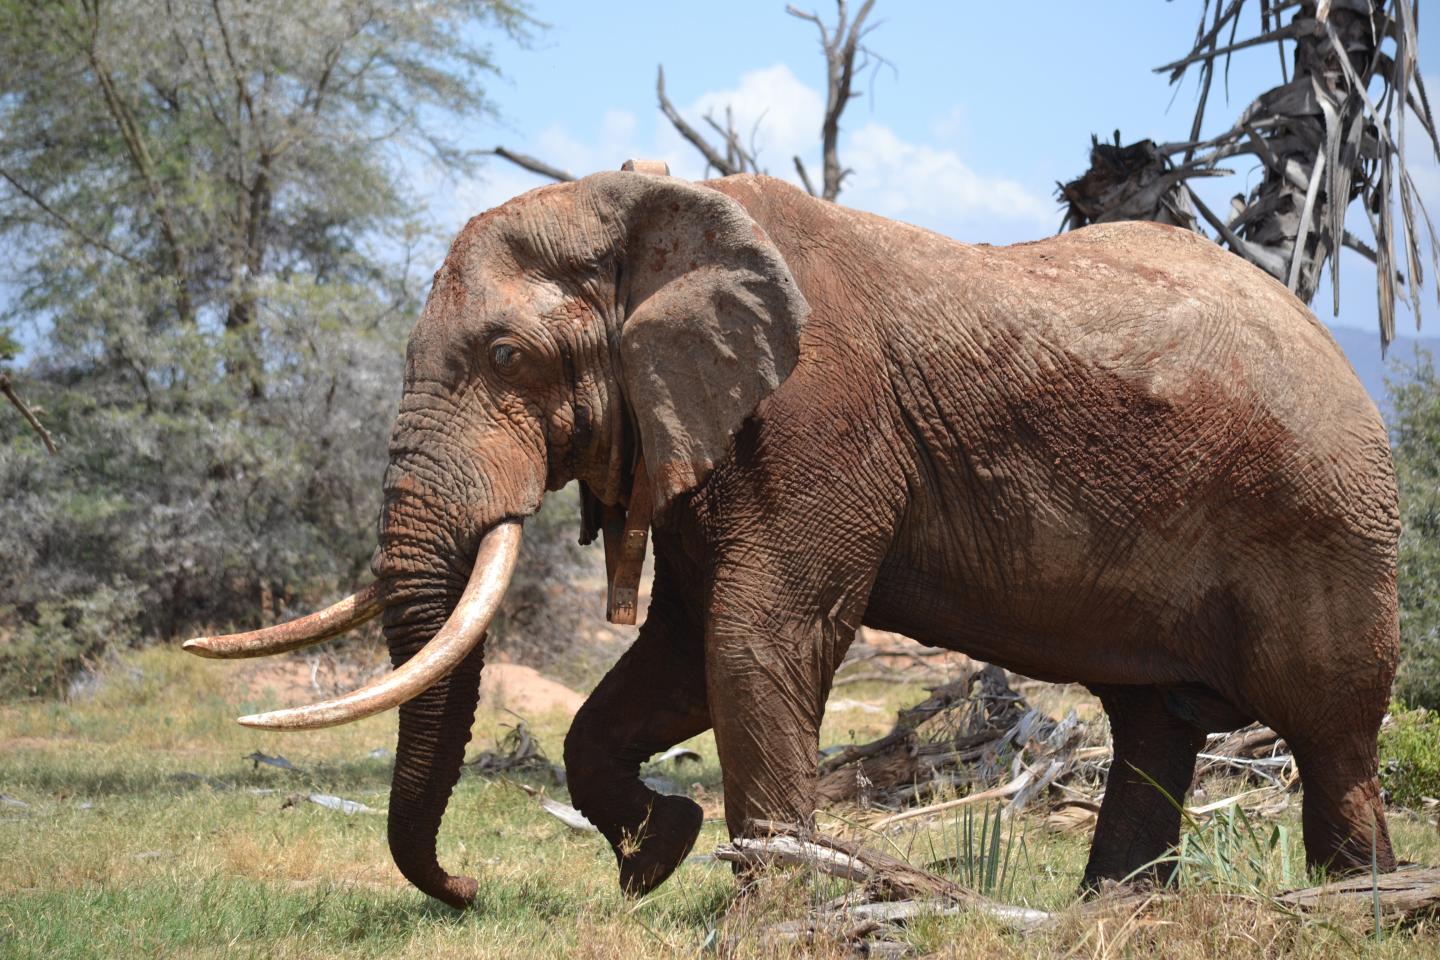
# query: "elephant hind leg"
{"points": [[1153, 747], [1343, 814], [1334, 695]]}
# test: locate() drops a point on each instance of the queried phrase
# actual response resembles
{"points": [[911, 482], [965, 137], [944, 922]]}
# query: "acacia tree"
{"points": [[215, 236], [1415, 425]]}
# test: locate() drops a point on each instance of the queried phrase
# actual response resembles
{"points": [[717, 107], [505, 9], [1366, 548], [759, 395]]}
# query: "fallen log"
{"points": [[1410, 893], [885, 878]]}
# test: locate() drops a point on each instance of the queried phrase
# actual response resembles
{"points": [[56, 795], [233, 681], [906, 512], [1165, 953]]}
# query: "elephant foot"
{"points": [[1096, 886], [660, 845]]}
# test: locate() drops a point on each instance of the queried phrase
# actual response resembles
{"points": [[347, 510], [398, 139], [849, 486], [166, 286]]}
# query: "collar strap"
{"points": [[625, 532]]}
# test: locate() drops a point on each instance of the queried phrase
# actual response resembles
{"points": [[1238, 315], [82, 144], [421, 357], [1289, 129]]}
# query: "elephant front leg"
{"points": [[769, 672], [652, 699]]}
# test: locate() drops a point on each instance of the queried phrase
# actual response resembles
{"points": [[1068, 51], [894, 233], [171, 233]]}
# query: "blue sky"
{"points": [[966, 135]]}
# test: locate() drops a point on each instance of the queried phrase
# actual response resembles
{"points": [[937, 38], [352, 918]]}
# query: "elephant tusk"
{"points": [[334, 620], [494, 563]]}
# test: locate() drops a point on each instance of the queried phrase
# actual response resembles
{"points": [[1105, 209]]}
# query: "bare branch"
{"points": [[1209, 69], [804, 176], [1284, 33], [534, 165], [840, 46], [736, 153], [27, 413], [712, 156], [68, 224]]}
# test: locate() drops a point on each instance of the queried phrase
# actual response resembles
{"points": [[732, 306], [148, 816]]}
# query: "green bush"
{"points": [[1410, 757], [1415, 431], [41, 654]]}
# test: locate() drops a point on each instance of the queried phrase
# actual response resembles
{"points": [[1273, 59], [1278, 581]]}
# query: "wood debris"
{"points": [[329, 802], [258, 758], [1410, 893], [563, 812], [974, 734], [980, 741], [517, 752], [891, 892]]}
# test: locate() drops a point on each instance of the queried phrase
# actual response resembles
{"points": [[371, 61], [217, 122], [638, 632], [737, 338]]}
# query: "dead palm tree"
{"points": [[1322, 140]]}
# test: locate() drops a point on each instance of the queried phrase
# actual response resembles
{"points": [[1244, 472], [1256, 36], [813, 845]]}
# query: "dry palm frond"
{"points": [[1321, 140], [517, 753]]}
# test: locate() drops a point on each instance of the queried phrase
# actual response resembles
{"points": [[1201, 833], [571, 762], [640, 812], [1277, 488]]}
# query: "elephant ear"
{"points": [[713, 326]]}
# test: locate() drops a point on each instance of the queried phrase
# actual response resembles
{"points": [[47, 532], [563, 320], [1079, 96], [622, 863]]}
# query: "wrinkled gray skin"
{"points": [[1120, 457]]}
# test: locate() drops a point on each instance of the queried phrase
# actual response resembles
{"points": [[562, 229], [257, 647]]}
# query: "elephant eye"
{"points": [[505, 356]]}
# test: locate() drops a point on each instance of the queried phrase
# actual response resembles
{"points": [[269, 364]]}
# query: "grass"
{"points": [[145, 834]]}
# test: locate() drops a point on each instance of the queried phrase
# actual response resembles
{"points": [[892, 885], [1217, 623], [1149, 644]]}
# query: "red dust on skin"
{"points": [[1153, 474]]}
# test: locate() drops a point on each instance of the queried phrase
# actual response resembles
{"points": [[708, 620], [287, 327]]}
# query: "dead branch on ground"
{"points": [[892, 892]]}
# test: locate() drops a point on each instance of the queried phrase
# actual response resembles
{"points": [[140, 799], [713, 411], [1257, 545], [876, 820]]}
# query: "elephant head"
{"points": [[568, 333]]}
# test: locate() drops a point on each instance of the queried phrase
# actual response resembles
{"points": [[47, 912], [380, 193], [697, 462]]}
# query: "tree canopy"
{"points": [[211, 204]]}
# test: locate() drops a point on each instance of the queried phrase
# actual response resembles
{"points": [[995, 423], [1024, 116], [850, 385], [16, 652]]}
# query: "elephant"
{"points": [[1120, 457]]}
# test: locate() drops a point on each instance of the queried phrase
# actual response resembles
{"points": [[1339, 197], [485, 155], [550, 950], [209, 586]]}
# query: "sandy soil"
{"points": [[524, 690]]}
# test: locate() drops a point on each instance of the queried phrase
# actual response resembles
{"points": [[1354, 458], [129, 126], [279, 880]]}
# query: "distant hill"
{"points": [[1363, 349]]}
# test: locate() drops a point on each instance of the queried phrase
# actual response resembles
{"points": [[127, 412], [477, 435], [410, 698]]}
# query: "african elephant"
{"points": [[1120, 457]]}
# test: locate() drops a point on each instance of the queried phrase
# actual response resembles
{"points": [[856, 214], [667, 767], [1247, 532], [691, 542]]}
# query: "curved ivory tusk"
{"points": [[494, 562], [334, 620]]}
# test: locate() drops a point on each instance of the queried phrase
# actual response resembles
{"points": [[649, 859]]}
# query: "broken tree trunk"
{"points": [[1409, 893]]}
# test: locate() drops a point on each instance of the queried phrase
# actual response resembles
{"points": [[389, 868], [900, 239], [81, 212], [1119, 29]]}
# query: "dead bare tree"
{"points": [[734, 159], [846, 58], [1321, 139], [841, 44]]}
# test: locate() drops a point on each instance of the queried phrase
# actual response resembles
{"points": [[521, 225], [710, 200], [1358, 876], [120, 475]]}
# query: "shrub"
{"points": [[1415, 429], [1410, 757], [39, 656]]}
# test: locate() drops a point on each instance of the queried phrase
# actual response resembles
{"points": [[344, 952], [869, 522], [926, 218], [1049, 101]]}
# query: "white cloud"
{"points": [[953, 126], [773, 110], [928, 183], [919, 182], [935, 188]]}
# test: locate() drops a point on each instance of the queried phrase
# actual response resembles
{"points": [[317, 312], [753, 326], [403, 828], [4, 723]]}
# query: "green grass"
{"points": [[147, 835]]}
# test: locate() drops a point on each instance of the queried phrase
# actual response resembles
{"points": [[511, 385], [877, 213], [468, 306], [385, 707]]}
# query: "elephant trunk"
{"points": [[426, 613], [434, 729]]}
